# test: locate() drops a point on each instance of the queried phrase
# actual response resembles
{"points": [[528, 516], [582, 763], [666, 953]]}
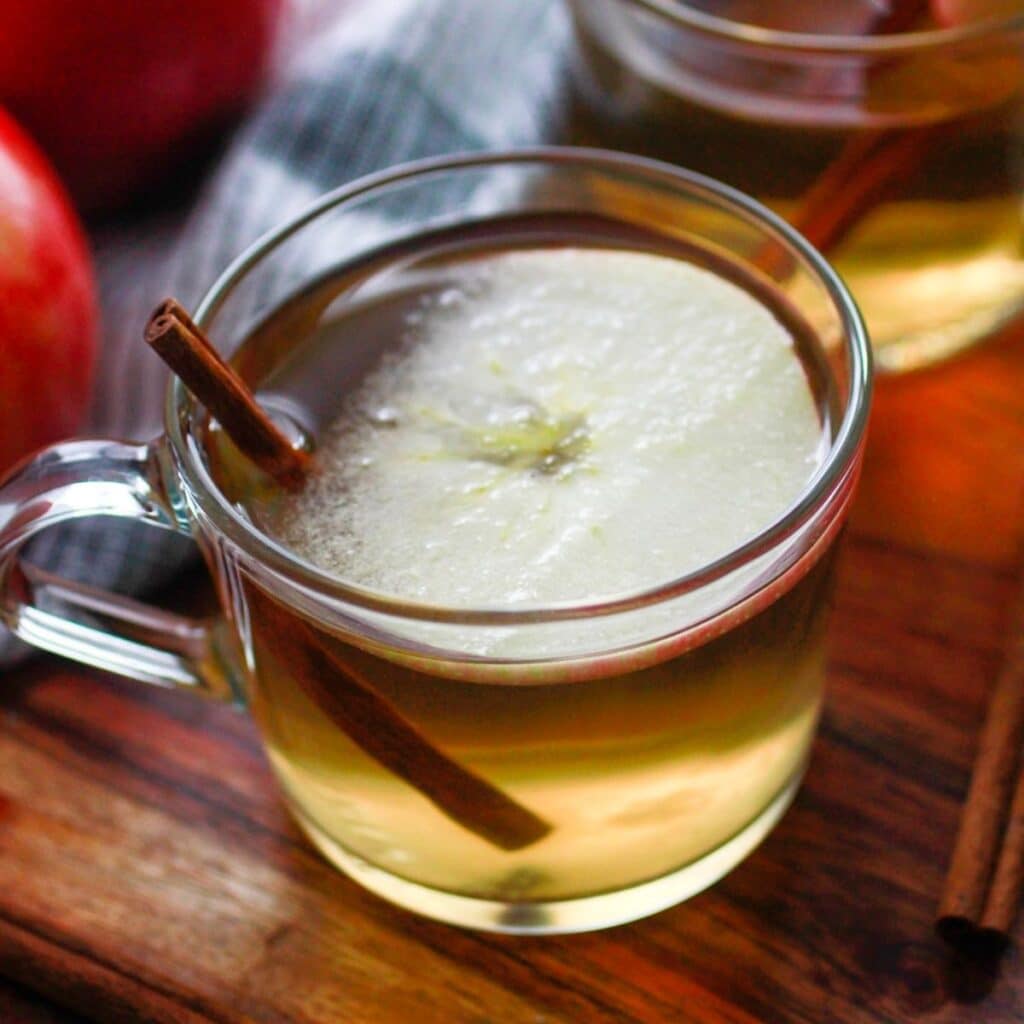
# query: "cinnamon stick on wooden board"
{"points": [[351, 701], [973, 899], [1004, 894]]}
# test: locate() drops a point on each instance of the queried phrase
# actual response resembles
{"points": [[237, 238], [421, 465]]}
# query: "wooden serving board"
{"points": [[149, 872]]}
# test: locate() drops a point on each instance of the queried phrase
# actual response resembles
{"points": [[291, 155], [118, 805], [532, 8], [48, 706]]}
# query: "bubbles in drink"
{"points": [[558, 425]]}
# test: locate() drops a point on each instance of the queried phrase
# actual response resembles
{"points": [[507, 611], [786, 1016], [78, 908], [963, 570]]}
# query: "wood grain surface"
{"points": [[149, 872], [19, 1005]]}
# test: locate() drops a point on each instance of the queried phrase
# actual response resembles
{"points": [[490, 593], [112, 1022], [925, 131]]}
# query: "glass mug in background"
{"points": [[907, 149], [648, 742]]}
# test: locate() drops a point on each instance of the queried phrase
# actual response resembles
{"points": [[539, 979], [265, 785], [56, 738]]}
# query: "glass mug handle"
{"points": [[88, 478]]}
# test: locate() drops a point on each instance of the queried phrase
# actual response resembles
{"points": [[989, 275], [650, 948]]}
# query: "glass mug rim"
{"points": [[896, 44], [180, 407]]}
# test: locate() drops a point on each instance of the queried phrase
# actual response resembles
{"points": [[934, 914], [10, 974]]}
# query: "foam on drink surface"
{"points": [[562, 424]]}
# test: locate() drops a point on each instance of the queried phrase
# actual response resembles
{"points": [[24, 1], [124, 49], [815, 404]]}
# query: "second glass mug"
{"points": [[899, 154], [661, 734]]}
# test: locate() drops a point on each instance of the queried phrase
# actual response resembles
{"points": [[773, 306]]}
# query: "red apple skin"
{"points": [[117, 91], [48, 313]]}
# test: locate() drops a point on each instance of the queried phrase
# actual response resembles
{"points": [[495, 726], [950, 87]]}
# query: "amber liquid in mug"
{"points": [[636, 768], [935, 263]]}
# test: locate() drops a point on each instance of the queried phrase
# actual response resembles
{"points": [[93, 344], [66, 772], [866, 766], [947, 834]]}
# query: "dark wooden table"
{"points": [[148, 870]]}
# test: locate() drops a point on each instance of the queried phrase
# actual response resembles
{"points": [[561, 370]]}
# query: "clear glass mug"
{"points": [[659, 736], [900, 156]]}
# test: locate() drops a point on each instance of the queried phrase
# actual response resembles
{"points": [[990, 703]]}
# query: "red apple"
{"points": [[48, 319], [118, 91]]}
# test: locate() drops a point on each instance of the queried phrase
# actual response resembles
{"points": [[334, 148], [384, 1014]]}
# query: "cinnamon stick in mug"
{"points": [[351, 701], [365, 716], [172, 334]]}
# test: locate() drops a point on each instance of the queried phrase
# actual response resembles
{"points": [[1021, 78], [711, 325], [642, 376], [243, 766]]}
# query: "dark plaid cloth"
{"points": [[379, 84]]}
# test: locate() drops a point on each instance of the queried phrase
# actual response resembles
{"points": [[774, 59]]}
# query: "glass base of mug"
{"points": [[588, 913]]}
